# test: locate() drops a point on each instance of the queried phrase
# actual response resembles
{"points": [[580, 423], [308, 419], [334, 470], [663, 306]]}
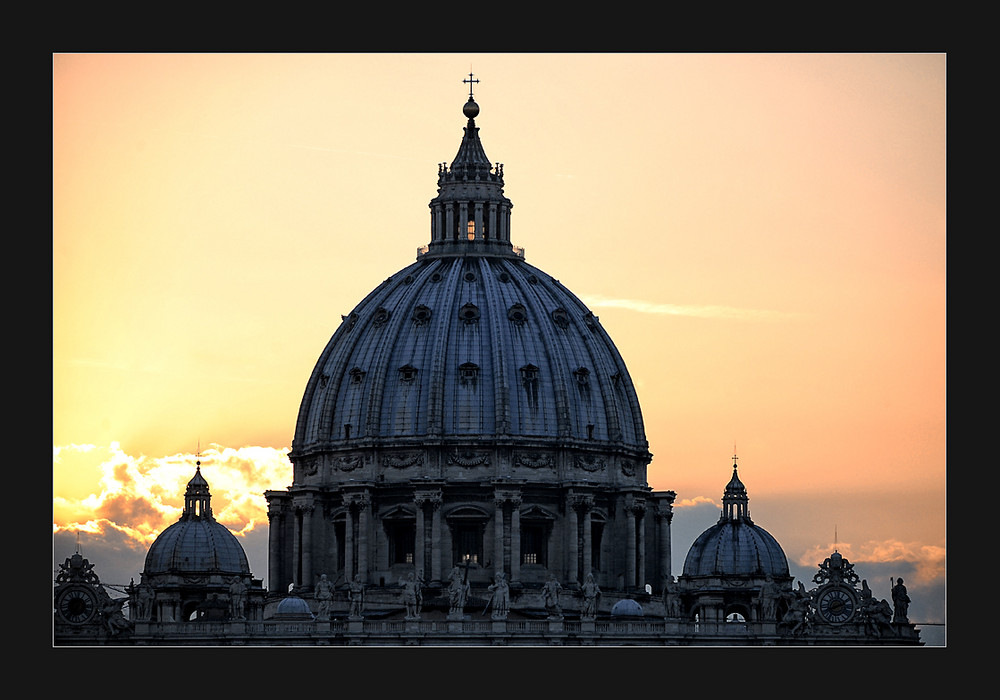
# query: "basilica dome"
{"points": [[735, 545], [469, 412], [461, 347], [196, 543], [470, 346]]}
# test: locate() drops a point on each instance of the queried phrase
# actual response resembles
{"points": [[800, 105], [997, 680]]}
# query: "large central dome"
{"points": [[469, 412], [470, 342], [474, 346]]}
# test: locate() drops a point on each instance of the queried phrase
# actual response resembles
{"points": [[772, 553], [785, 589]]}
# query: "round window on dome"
{"points": [[469, 313], [421, 314], [561, 318], [517, 313]]}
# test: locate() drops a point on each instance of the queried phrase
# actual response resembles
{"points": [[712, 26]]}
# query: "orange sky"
{"points": [[763, 235]]}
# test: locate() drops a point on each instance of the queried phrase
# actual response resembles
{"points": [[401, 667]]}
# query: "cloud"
{"points": [[694, 502], [927, 562], [140, 496], [696, 311]]}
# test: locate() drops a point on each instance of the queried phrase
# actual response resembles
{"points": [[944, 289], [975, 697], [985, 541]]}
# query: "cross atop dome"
{"points": [[471, 109], [470, 81]]}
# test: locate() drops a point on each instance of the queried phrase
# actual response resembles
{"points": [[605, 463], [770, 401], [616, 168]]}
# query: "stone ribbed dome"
{"points": [[293, 607], [197, 546], [470, 346], [196, 543], [735, 546], [459, 347], [469, 412], [626, 608]]}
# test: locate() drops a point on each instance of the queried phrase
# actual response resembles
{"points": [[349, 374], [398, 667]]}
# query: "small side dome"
{"points": [[293, 607], [197, 547], [197, 543], [735, 546], [626, 608]]}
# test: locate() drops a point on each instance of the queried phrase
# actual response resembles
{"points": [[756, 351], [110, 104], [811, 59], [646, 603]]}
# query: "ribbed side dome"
{"points": [[626, 608], [197, 546], [735, 547], [293, 606], [469, 347]]}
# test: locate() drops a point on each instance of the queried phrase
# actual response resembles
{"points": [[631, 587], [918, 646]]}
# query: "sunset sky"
{"points": [[763, 236]]}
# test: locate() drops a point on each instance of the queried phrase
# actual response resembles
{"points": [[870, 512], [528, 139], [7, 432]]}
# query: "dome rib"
{"points": [[527, 351], [558, 375], [441, 321], [499, 325], [392, 351]]}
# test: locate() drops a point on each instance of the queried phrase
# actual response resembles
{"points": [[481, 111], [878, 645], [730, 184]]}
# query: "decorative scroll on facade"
{"points": [[404, 460], [349, 462], [534, 460], [469, 459], [589, 463]]}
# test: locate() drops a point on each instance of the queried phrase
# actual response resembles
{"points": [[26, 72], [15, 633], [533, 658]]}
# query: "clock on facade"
{"points": [[836, 604], [77, 604]]}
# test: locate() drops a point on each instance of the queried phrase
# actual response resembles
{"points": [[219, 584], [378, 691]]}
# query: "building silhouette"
{"points": [[469, 468]]}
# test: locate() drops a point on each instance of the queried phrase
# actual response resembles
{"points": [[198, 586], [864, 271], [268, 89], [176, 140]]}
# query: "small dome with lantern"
{"points": [[197, 543], [735, 545], [197, 565]]}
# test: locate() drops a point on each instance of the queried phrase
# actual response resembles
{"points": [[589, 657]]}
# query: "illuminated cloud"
{"points": [[140, 496], [697, 311], [927, 561], [693, 502]]}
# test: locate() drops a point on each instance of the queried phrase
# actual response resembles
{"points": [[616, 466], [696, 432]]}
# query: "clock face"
{"points": [[836, 605], [77, 604]]}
